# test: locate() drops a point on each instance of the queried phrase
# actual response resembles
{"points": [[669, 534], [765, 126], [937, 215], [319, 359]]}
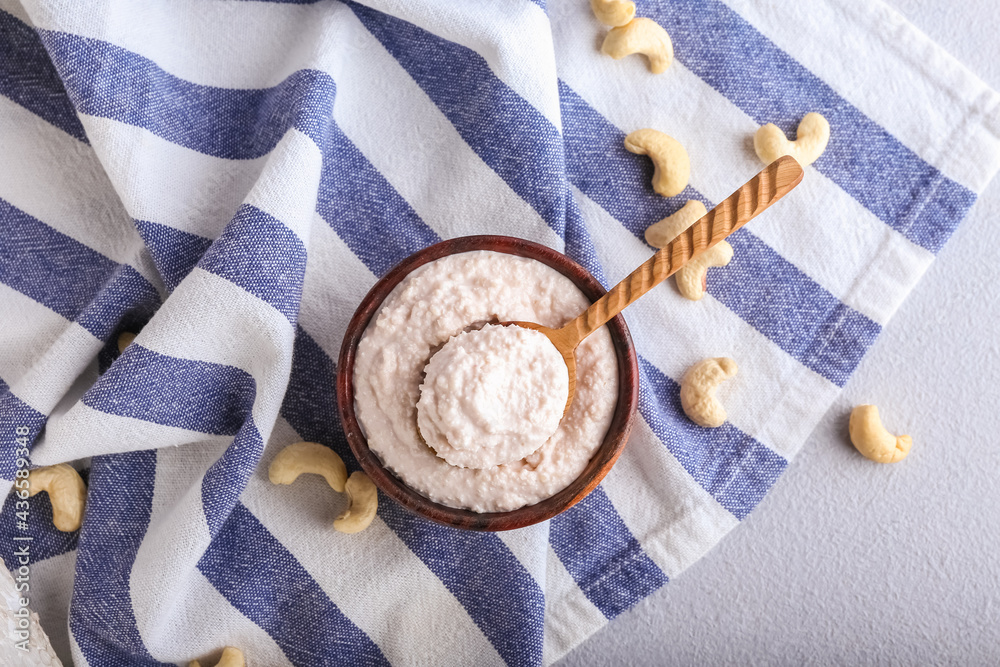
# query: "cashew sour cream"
{"points": [[492, 396], [484, 428]]}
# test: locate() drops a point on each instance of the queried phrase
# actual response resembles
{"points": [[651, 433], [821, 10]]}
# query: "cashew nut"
{"points": [[363, 503], [312, 457], [811, 139], [661, 233], [698, 391], [671, 164], [231, 657], [872, 440], [124, 340], [692, 278], [643, 36], [308, 457], [67, 493], [613, 12]]}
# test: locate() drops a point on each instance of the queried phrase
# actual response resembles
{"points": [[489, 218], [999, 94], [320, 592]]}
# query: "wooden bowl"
{"points": [[599, 465]]}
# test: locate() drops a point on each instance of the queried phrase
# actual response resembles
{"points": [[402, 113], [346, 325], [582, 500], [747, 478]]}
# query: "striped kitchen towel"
{"points": [[230, 178]]}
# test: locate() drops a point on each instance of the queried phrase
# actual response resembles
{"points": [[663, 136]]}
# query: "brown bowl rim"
{"points": [[599, 466]]}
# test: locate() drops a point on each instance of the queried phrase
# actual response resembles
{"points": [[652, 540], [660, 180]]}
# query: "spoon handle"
{"points": [[771, 184]]}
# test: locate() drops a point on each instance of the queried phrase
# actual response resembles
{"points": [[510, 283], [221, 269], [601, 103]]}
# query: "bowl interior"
{"points": [[599, 465]]}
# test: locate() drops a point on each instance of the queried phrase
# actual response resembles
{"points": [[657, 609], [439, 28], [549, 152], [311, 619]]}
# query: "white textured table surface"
{"points": [[850, 562]]}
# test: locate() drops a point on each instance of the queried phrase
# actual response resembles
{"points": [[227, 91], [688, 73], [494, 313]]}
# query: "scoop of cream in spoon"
{"points": [[491, 396], [496, 395]]}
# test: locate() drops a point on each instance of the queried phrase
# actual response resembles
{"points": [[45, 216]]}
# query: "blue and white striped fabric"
{"points": [[232, 177]]}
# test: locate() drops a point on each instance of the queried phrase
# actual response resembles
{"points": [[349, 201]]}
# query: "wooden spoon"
{"points": [[771, 184]]}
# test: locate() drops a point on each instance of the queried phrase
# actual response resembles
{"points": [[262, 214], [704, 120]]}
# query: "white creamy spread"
{"points": [[492, 396], [439, 301]]}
